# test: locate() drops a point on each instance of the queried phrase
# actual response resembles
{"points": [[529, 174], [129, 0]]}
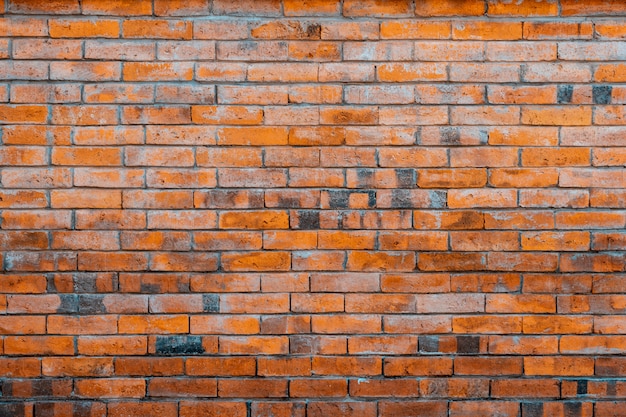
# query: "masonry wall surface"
{"points": [[313, 208]]}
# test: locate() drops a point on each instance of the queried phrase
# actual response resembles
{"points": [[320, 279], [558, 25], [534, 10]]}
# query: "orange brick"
{"points": [[414, 30], [111, 388], [558, 30], [429, 8], [26, 93], [594, 7], [86, 198], [523, 8], [23, 114], [39, 345], [165, 71], [85, 71], [157, 29], [118, 7], [289, 29], [311, 8], [77, 367], [181, 8], [226, 115], [88, 28], [314, 51], [540, 241], [417, 366], [61, 7], [256, 261], [558, 366], [487, 30], [252, 136], [411, 72], [47, 49], [492, 365]]}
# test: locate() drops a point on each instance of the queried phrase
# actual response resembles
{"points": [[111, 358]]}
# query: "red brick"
{"points": [[487, 324], [121, 50], [559, 366], [194, 408], [156, 29], [146, 71], [77, 367], [60, 7], [182, 387], [22, 325], [536, 388], [39, 345], [557, 30], [284, 367], [110, 388], [595, 7], [487, 30], [346, 72], [254, 345], [346, 366], [523, 8], [220, 29], [514, 345], [87, 28], [492, 365], [20, 367], [112, 345], [311, 8], [471, 408], [439, 366], [136, 409], [82, 325]]}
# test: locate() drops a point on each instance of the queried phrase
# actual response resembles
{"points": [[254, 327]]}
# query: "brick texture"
{"points": [[312, 208]]}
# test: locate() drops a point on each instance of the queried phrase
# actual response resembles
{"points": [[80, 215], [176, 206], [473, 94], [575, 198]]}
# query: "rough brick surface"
{"points": [[312, 208]]}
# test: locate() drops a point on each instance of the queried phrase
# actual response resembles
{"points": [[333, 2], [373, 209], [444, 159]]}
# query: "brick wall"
{"points": [[313, 208]]}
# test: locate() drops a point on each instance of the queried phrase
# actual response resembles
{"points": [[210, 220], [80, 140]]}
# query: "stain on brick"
{"points": [[45, 410], [611, 388], [314, 31], [69, 303], [83, 409], [226, 199], [573, 408], [149, 288], [581, 387], [401, 199], [365, 177], [450, 135], [602, 94], [428, 344], [11, 410], [85, 282], [7, 389], [406, 177], [438, 199], [179, 345], [91, 304], [468, 344], [308, 220], [42, 388], [339, 198], [564, 94], [51, 285], [532, 409], [211, 303]]}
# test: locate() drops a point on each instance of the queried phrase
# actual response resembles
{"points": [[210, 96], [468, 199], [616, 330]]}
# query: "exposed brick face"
{"points": [[312, 208]]}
